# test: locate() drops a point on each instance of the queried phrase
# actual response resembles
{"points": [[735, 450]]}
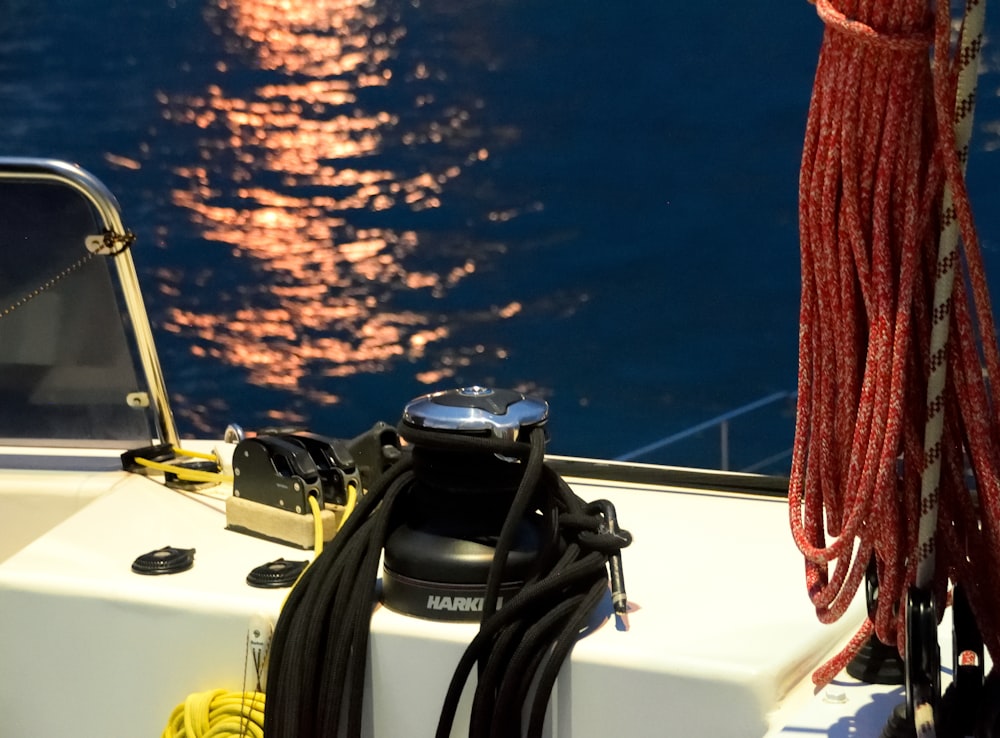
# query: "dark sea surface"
{"points": [[342, 205]]}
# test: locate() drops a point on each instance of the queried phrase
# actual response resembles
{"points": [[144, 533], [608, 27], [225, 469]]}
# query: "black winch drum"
{"points": [[439, 553]]}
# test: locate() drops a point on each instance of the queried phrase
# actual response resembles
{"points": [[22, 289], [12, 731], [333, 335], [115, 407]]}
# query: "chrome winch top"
{"points": [[475, 409]]}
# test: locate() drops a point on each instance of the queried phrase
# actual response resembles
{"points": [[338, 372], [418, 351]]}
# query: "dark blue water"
{"points": [[341, 205]]}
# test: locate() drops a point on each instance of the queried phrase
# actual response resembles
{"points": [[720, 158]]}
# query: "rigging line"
{"points": [[878, 151], [946, 267], [869, 172]]}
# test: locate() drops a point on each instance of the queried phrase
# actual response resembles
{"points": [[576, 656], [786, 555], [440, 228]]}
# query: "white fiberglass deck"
{"points": [[721, 631]]}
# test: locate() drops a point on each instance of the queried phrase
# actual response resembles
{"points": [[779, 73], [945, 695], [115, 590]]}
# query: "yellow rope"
{"points": [[188, 475], [196, 454], [317, 526], [352, 500], [185, 474], [217, 714]]}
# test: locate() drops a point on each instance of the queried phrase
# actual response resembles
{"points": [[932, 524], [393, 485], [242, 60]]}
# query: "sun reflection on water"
{"points": [[291, 182]]}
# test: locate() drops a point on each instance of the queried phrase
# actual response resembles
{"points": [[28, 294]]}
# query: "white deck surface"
{"points": [[722, 628]]}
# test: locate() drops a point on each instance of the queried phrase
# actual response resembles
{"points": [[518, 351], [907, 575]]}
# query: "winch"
{"points": [[469, 524], [439, 554]]}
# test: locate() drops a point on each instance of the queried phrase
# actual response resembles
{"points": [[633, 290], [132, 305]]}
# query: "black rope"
{"points": [[568, 582], [319, 648], [316, 671]]}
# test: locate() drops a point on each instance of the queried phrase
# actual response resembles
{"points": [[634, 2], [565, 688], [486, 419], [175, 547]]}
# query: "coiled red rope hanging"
{"points": [[895, 405]]}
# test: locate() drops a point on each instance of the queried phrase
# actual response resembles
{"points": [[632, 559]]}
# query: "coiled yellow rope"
{"points": [[218, 714]]}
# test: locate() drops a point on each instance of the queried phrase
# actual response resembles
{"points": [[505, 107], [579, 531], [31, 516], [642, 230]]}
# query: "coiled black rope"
{"points": [[316, 672]]}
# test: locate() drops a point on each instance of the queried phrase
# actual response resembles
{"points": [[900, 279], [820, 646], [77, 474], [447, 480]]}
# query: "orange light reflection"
{"points": [[282, 172]]}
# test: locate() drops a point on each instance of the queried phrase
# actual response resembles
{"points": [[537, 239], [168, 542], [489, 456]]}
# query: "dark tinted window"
{"points": [[66, 370]]}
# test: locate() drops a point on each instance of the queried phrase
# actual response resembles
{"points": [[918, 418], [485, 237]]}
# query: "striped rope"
{"points": [[947, 263]]}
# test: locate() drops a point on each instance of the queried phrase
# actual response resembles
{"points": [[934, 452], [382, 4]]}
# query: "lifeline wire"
{"points": [[879, 150], [316, 672]]}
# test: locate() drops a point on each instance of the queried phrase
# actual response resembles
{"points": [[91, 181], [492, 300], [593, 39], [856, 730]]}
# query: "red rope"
{"points": [[875, 164]]}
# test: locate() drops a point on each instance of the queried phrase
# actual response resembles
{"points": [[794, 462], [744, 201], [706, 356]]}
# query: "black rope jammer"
{"points": [[316, 670]]}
